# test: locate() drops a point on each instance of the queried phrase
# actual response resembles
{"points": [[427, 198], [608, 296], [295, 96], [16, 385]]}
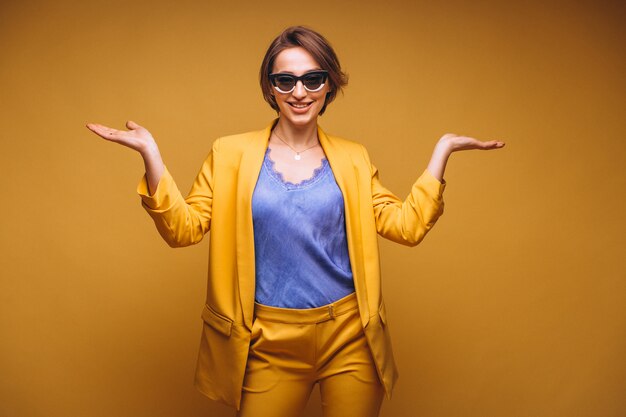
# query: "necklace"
{"points": [[297, 156]]}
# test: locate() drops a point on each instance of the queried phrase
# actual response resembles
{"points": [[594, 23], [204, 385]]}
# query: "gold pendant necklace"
{"points": [[297, 156]]}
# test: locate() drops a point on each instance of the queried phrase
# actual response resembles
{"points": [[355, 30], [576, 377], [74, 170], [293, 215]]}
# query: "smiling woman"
{"points": [[298, 106], [294, 293], [321, 53]]}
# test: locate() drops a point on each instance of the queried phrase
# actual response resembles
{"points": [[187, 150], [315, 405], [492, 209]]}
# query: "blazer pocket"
{"points": [[222, 324]]}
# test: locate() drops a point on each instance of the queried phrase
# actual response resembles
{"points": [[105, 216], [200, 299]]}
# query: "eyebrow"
{"points": [[291, 73]]}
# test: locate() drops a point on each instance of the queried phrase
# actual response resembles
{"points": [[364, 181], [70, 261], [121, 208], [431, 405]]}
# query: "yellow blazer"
{"points": [[220, 201]]}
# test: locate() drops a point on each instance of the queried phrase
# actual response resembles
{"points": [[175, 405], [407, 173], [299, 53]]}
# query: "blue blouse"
{"points": [[300, 245]]}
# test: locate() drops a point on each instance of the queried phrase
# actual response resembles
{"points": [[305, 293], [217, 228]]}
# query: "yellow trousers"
{"points": [[291, 350]]}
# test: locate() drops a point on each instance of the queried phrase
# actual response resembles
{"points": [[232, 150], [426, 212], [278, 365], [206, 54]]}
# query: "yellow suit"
{"points": [[220, 200]]}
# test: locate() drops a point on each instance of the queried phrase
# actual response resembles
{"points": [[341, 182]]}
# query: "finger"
{"points": [[132, 125], [98, 127], [95, 126], [104, 131], [492, 144]]}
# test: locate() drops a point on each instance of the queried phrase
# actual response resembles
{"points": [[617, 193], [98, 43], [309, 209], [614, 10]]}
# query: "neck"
{"points": [[297, 136]]}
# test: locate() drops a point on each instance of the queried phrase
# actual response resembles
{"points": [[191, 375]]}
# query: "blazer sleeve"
{"points": [[408, 221], [181, 221]]}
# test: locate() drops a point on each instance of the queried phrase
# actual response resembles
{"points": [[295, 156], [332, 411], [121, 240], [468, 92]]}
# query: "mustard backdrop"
{"points": [[512, 306]]}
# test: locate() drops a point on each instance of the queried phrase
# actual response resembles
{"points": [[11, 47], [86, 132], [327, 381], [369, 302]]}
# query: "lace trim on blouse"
{"points": [[318, 173]]}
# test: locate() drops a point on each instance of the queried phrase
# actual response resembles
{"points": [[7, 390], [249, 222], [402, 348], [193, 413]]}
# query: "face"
{"points": [[299, 107]]}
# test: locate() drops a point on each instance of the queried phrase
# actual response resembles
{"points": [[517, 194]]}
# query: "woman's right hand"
{"points": [[136, 137], [139, 139]]}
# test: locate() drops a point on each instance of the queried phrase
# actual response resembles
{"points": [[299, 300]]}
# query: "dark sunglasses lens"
{"points": [[314, 81], [284, 82]]}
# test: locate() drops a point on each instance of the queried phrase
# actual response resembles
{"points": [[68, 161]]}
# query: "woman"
{"points": [[293, 295]]}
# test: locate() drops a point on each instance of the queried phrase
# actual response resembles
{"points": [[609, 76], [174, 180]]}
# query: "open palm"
{"points": [[136, 137], [464, 143]]}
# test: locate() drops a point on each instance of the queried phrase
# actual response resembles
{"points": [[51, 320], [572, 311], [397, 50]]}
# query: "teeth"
{"points": [[299, 106]]}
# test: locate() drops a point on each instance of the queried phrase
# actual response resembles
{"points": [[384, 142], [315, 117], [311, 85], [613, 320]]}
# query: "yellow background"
{"points": [[513, 306]]}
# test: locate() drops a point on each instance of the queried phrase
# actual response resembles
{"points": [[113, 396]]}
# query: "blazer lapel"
{"points": [[346, 176], [249, 168]]}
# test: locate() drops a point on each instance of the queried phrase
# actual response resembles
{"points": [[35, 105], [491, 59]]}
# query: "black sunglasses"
{"points": [[312, 81]]}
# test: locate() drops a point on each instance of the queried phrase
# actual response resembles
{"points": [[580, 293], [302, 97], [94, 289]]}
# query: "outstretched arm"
{"points": [[451, 143], [180, 221], [408, 221]]}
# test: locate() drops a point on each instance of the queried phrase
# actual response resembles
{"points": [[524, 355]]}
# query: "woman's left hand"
{"points": [[451, 143], [455, 143]]}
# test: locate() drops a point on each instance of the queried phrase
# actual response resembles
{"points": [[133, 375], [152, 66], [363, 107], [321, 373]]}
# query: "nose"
{"points": [[299, 91]]}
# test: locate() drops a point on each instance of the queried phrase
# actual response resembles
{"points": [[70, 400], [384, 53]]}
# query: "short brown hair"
{"points": [[320, 50]]}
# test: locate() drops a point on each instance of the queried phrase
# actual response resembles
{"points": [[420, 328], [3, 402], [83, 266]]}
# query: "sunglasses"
{"points": [[312, 81]]}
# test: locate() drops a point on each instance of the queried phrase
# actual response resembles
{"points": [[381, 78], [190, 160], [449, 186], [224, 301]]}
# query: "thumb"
{"points": [[132, 125]]}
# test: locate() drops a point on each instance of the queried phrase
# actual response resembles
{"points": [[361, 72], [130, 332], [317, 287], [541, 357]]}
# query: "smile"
{"points": [[300, 106]]}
